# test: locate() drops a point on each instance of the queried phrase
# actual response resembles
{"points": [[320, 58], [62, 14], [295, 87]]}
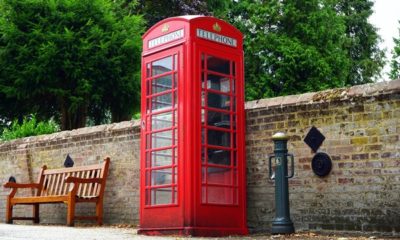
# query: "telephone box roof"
{"points": [[191, 19]]}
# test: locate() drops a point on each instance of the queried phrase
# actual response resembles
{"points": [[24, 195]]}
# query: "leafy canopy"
{"points": [[291, 46], [366, 58], [395, 62], [72, 59]]}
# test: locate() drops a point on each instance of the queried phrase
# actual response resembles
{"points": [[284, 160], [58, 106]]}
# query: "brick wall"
{"points": [[361, 125], [362, 128], [24, 157]]}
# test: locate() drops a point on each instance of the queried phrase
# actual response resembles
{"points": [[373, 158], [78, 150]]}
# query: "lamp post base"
{"points": [[282, 228]]}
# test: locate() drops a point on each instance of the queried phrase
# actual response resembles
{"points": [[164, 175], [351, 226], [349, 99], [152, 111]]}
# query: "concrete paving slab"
{"points": [[41, 232]]}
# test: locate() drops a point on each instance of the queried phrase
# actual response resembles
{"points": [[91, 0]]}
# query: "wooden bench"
{"points": [[66, 185]]}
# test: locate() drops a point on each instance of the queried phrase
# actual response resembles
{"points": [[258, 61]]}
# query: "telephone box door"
{"points": [[221, 159], [160, 124]]}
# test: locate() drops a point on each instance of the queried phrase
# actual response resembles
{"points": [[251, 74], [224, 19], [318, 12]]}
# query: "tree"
{"points": [[157, 10], [69, 58], [291, 46], [395, 62], [366, 59]]}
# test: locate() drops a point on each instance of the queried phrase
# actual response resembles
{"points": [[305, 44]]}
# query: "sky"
{"points": [[386, 18]]}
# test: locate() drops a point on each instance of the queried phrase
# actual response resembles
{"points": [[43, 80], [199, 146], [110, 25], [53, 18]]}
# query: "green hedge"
{"points": [[29, 127]]}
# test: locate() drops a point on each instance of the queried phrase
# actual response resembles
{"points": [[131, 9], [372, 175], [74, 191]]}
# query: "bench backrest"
{"points": [[53, 180]]}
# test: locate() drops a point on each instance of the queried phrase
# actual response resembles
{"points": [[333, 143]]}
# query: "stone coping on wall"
{"points": [[337, 94], [76, 133]]}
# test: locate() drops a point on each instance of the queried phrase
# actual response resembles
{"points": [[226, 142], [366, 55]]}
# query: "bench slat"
{"points": [[44, 188], [51, 185], [72, 169], [96, 185], [85, 185], [65, 185], [56, 188], [46, 199]]}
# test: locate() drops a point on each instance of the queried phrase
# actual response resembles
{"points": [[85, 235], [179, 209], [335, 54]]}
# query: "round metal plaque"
{"points": [[321, 164]]}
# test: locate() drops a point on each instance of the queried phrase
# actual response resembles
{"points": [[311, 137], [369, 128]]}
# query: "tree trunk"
{"points": [[72, 120]]}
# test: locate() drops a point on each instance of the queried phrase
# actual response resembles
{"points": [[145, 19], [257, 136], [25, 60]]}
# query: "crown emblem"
{"points": [[165, 28], [217, 27]]}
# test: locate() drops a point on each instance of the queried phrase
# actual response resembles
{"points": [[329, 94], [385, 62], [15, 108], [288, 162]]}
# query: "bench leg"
{"points": [[9, 212], [99, 212], [36, 218], [71, 212]]}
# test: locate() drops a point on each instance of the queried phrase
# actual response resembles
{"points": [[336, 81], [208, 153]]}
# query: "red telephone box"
{"points": [[192, 178]]}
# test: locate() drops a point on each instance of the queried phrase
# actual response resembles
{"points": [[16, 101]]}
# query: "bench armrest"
{"points": [[21, 185], [76, 181], [83, 180]]}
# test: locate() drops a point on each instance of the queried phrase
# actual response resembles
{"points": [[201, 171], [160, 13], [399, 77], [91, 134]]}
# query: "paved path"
{"points": [[41, 232]]}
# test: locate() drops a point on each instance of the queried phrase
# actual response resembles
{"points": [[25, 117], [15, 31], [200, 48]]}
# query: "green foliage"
{"points": [[72, 59], [395, 62], [136, 116], [291, 46], [154, 11], [366, 59], [29, 127]]}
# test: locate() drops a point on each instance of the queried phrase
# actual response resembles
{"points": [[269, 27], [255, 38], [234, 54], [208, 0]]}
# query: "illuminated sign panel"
{"points": [[216, 37], [178, 34]]}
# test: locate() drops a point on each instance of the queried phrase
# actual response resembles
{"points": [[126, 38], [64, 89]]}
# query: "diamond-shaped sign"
{"points": [[314, 139], [68, 162]]}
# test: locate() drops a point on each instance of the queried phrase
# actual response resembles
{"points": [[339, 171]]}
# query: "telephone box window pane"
{"points": [[148, 70], [203, 82], [203, 174], [203, 155], [218, 156], [161, 84], [219, 138], [235, 196], [148, 198], [163, 120], [235, 177], [161, 102], [218, 83], [218, 65], [148, 178], [162, 66], [217, 175], [175, 175], [161, 139], [234, 68], [234, 158], [204, 194], [161, 196], [218, 119], [202, 61], [175, 196], [161, 177], [161, 158], [175, 62], [215, 100], [203, 116], [234, 141], [175, 80], [219, 195]]}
